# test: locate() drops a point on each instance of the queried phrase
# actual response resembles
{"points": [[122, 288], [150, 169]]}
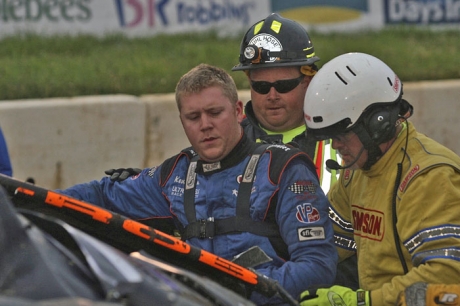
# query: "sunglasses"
{"points": [[281, 86]]}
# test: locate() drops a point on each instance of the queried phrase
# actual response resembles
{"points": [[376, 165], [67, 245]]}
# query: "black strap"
{"points": [[306, 144], [210, 228], [395, 220], [244, 190], [168, 165], [242, 222]]}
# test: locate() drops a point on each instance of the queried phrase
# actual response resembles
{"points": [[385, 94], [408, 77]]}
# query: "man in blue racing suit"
{"points": [[224, 194]]}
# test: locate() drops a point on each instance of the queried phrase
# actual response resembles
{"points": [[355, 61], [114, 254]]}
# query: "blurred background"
{"points": [[87, 85], [86, 47]]}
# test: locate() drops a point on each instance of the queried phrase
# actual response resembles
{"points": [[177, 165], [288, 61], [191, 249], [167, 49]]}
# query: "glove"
{"points": [[335, 296], [121, 174], [423, 294]]}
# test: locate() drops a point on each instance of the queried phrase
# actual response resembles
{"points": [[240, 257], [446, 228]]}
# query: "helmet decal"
{"points": [[276, 26], [397, 84], [258, 26], [267, 42], [311, 54]]}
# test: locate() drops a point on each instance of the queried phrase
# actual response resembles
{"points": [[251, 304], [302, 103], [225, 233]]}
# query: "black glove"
{"points": [[121, 174]]}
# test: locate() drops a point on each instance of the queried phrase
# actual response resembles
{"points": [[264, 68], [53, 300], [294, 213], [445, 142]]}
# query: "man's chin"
{"points": [[211, 155], [276, 119], [274, 125]]}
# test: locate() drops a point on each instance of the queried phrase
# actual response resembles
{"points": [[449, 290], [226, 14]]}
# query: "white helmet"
{"points": [[344, 89], [357, 92]]}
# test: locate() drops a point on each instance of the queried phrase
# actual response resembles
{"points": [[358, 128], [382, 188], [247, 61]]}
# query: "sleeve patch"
{"points": [[311, 233]]}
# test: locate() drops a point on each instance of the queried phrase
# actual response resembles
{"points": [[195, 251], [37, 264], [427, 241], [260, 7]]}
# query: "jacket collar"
{"points": [[395, 153], [242, 150]]}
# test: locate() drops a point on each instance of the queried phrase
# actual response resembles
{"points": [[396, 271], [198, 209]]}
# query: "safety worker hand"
{"points": [[335, 296], [423, 294], [121, 174]]}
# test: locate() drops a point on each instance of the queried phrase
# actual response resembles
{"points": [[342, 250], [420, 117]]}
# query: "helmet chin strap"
{"points": [[373, 150], [373, 144]]}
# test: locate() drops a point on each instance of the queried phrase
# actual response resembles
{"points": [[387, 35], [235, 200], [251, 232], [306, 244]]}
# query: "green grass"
{"points": [[42, 67]]}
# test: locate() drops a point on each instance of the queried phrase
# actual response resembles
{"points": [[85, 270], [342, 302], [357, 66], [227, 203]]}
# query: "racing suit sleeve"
{"points": [[302, 217], [5, 163], [340, 215], [138, 197], [428, 226]]}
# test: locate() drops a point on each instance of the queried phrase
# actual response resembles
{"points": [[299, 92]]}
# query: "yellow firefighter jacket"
{"points": [[427, 212]]}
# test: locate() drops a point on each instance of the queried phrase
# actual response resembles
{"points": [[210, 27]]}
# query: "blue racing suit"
{"points": [[5, 163], [296, 204]]}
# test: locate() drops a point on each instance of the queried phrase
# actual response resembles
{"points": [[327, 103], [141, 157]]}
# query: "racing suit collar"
{"points": [[244, 148], [259, 131], [396, 151], [249, 112]]}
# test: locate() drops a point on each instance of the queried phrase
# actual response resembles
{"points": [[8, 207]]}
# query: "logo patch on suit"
{"points": [[311, 233], [152, 171], [408, 177], [306, 213], [368, 223], [301, 186]]}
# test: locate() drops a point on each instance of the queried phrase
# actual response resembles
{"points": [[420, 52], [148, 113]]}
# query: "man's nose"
{"points": [[272, 94], [206, 122], [336, 143]]}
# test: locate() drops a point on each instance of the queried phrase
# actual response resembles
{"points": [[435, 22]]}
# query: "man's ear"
{"points": [[307, 80], [239, 107]]}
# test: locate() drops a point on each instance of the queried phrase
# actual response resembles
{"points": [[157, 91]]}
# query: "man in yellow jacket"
{"points": [[398, 196]]}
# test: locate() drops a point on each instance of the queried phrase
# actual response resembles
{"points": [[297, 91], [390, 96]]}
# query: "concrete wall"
{"points": [[64, 141], [436, 110], [61, 142]]}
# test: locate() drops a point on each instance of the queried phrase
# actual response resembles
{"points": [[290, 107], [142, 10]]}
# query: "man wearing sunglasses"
{"points": [[279, 59]]}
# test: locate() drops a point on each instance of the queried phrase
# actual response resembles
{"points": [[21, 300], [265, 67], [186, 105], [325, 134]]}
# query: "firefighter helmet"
{"points": [[275, 42]]}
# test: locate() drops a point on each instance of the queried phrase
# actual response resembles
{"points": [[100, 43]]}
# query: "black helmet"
{"points": [[275, 42]]}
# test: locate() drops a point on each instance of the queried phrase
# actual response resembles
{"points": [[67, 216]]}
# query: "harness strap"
{"points": [[209, 228], [244, 190], [242, 222], [189, 193]]}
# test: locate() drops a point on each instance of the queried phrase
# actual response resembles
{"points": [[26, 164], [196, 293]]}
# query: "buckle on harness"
{"points": [[207, 228]]}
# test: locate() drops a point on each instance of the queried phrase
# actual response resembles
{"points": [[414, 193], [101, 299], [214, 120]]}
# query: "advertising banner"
{"points": [[130, 17], [226, 17], [359, 15], [427, 12], [332, 15]]}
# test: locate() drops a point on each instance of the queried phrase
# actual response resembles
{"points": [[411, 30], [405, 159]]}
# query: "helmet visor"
{"points": [[329, 132]]}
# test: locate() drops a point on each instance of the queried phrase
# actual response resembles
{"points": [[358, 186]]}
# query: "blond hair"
{"points": [[204, 76]]}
